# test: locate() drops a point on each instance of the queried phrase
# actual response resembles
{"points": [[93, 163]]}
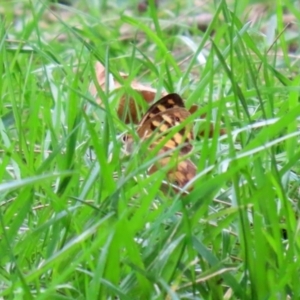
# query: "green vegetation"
{"points": [[79, 219]]}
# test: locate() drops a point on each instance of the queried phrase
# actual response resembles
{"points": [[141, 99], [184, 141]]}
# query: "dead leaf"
{"points": [[201, 133], [256, 12], [143, 5], [128, 108], [127, 105], [202, 21]]}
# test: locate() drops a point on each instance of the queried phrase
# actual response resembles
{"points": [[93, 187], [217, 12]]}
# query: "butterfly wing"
{"points": [[180, 174], [159, 126], [167, 102]]}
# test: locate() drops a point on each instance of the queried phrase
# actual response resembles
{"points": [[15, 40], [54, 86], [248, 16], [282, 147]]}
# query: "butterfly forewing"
{"points": [[159, 126], [167, 102]]}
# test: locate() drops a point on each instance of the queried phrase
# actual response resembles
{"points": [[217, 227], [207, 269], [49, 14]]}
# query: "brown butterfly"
{"points": [[158, 121]]}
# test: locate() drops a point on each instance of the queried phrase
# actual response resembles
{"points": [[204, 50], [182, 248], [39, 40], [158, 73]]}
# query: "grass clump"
{"points": [[81, 220]]}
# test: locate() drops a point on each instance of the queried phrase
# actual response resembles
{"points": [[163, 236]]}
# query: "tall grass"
{"points": [[79, 219]]}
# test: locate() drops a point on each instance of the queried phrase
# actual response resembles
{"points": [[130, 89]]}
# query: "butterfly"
{"points": [[156, 125]]}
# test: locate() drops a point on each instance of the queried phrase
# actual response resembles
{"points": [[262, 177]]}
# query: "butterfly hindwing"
{"points": [[178, 175]]}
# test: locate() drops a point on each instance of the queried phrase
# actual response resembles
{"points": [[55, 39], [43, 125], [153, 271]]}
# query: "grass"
{"points": [[81, 220]]}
